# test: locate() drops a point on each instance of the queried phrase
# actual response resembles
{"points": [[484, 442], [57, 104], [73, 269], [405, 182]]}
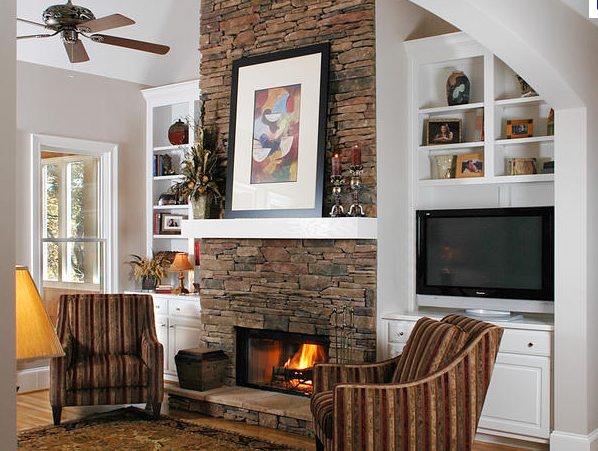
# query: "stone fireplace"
{"points": [[288, 286], [278, 361]]}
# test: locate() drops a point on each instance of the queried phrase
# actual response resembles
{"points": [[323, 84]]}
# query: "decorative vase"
{"points": [[178, 133], [457, 88], [445, 165], [148, 283], [201, 207]]}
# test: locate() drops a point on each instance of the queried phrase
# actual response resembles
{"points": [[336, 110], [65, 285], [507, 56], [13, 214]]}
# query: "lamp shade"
{"points": [[180, 263], [35, 335]]}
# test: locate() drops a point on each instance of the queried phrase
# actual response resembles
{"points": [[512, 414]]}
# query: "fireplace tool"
{"points": [[343, 320]]}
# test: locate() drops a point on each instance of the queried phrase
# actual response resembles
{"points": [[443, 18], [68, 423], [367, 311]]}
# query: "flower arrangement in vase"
{"points": [[149, 270], [201, 170]]}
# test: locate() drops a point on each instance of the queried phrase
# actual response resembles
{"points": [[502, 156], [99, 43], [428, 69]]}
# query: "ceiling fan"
{"points": [[72, 21]]}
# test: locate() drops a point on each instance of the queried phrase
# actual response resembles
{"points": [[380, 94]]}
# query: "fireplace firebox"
{"points": [[278, 361]]}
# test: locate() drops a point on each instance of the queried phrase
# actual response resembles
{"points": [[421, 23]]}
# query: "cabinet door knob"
{"points": [[162, 325], [530, 345], [400, 334], [157, 306], [172, 327], [178, 309]]}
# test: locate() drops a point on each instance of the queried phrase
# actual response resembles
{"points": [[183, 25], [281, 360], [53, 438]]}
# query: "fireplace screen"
{"points": [[279, 361]]}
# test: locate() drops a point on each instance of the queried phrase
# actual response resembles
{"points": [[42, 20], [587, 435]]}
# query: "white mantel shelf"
{"points": [[281, 228]]}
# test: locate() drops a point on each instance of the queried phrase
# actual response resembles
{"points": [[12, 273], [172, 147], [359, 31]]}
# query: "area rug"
{"points": [[134, 429]]}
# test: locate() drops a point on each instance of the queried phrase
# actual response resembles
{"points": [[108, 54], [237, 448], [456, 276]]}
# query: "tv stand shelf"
{"points": [[517, 405]]}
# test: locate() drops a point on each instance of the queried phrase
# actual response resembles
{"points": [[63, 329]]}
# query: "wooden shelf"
{"points": [[499, 179], [453, 146], [169, 177], [172, 148], [533, 139], [170, 237], [171, 207], [451, 109], [519, 101], [281, 228]]}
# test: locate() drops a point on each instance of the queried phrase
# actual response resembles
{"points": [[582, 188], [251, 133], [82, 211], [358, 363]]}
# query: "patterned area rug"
{"points": [[133, 429]]}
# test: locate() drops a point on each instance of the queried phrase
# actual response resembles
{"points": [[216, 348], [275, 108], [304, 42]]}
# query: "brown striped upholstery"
{"points": [[437, 412], [112, 352], [431, 345]]}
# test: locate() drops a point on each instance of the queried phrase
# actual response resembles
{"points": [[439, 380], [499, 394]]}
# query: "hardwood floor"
{"points": [[33, 410]]}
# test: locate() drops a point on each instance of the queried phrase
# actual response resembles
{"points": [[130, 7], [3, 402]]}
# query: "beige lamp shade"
{"points": [[180, 263], [35, 335]]}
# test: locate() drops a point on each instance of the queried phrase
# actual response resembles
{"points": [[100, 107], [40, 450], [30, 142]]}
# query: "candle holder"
{"points": [[337, 209], [356, 210]]}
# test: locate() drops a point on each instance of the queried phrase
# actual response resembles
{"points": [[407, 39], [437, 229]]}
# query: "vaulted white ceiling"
{"points": [[170, 22]]}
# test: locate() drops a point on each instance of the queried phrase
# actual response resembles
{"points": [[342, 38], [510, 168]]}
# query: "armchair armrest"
{"points": [[327, 375], [58, 367], [152, 355]]}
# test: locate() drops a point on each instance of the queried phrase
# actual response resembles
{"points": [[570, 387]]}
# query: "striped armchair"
{"points": [[112, 353], [430, 397]]}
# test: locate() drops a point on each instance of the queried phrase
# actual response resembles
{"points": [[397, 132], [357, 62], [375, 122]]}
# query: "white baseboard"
{"points": [[565, 441], [33, 379]]}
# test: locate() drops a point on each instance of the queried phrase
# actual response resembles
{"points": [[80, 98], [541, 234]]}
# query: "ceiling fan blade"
{"points": [[131, 44], [105, 23], [32, 23], [36, 36], [76, 52]]}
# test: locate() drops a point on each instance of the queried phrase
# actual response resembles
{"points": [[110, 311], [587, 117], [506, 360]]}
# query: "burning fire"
{"points": [[304, 359]]}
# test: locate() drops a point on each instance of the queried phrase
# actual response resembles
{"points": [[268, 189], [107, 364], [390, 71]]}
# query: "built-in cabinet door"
{"points": [[518, 399], [162, 333], [182, 334]]}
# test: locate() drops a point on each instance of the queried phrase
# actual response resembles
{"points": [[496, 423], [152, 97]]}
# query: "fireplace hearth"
{"points": [[278, 361]]}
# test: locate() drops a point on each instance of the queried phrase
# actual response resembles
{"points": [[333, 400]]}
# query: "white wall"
{"points": [[59, 102], [554, 49], [7, 225], [396, 21]]}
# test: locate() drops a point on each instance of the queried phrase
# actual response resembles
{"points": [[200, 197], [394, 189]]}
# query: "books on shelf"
{"points": [[163, 165], [163, 288]]}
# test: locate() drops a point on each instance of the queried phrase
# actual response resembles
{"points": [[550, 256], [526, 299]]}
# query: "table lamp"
{"points": [[36, 337], [181, 264]]}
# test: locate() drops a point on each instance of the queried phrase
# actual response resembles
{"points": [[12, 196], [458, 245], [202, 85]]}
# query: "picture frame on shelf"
{"points": [[520, 128], [171, 224], [470, 165], [443, 131], [277, 134]]}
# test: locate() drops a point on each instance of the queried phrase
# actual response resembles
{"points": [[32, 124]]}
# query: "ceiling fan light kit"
{"points": [[72, 21]]}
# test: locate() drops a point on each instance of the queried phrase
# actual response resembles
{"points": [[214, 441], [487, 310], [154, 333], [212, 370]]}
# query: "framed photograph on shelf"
{"points": [[520, 128], [171, 224], [277, 134], [470, 165], [443, 131]]}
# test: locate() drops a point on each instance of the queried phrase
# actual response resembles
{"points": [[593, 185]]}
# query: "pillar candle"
{"points": [[356, 155], [336, 164]]}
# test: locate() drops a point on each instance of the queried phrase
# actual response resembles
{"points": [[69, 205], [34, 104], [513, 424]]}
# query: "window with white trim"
{"points": [[72, 250]]}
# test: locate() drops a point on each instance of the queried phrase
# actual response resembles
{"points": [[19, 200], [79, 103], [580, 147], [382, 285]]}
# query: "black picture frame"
{"points": [[433, 130], [282, 57]]}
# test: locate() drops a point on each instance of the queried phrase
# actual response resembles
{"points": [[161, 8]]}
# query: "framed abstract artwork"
{"points": [[277, 134]]}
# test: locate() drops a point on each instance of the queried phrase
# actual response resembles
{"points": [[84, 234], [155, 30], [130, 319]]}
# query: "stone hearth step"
{"points": [[269, 409]]}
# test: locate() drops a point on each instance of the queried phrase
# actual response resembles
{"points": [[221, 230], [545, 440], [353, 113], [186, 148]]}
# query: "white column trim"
{"points": [[566, 441]]}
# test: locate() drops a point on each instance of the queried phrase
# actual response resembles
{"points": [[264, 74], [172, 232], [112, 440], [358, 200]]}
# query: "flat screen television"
{"points": [[491, 260]]}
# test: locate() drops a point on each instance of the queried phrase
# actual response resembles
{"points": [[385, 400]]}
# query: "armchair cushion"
{"points": [[107, 371], [430, 346]]}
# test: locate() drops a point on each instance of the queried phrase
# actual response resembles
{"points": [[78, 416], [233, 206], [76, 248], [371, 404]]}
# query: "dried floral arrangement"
{"points": [[201, 166], [149, 267]]}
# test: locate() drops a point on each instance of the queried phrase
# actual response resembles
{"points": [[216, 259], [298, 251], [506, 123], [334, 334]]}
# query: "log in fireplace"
{"points": [[277, 360]]}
